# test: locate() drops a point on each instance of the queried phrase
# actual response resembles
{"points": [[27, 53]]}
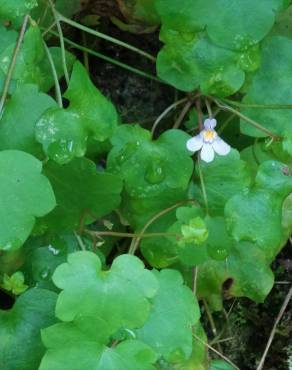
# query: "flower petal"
{"points": [[220, 146], [210, 123], [195, 143], [207, 153]]}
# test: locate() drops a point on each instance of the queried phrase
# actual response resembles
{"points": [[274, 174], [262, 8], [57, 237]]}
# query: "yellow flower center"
{"points": [[209, 135]]}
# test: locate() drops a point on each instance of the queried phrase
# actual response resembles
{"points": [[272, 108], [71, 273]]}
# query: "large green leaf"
{"points": [[89, 114], [168, 330], [261, 90], [82, 193], [119, 298], [230, 24], [20, 336], [155, 173], [17, 124], [25, 194]]}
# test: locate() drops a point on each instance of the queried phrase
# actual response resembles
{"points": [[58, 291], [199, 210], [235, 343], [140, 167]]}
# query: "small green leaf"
{"points": [[82, 193], [171, 337], [20, 339], [14, 283], [64, 132], [25, 194], [194, 232]]}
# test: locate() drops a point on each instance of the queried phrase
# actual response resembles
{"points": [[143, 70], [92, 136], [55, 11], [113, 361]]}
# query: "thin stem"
{"points": [[225, 124], [105, 37], [204, 192], [55, 76], [136, 242], [62, 44], [110, 60], [257, 106], [166, 111], [85, 53], [13, 63], [195, 271], [210, 114], [217, 352], [127, 235], [80, 242], [180, 118], [247, 119], [273, 332]]}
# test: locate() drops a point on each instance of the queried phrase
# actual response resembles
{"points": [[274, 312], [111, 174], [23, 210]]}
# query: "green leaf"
{"points": [[263, 224], [42, 258], [25, 194], [32, 65], [168, 330], [20, 339], [155, 173], [89, 114], [200, 63], [223, 178], [232, 25], [27, 68], [82, 193], [119, 297], [83, 351], [14, 283], [246, 270], [14, 10], [274, 67], [18, 121]]}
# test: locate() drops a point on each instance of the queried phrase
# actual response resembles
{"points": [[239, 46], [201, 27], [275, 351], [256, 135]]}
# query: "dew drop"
{"points": [[154, 172]]}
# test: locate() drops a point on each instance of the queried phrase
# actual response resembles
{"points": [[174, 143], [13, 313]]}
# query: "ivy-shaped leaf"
{"points": [[25, 194], [89, 114], [190, 64], [14, 283], [17, 124], [82, 193], [20, 338], [155, 173], [245, 23], [168, 329], [119, 298]]}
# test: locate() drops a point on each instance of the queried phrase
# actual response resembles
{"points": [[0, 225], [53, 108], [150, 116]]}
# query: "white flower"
{"points": [[209, 142]]}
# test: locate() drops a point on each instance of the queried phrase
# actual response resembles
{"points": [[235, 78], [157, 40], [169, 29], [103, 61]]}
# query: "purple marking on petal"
{"points": [[210, 123]]}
